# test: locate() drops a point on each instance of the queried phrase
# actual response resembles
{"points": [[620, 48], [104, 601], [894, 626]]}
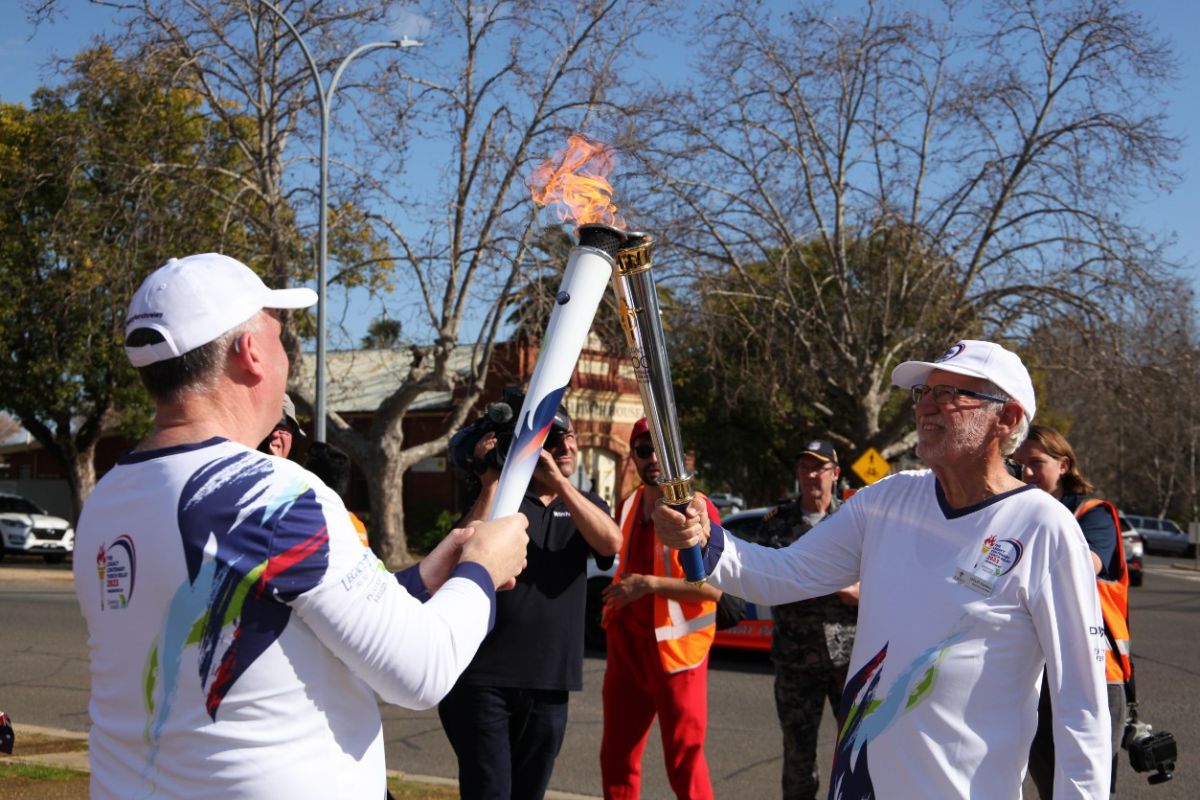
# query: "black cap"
{"points": [[819, 448]]}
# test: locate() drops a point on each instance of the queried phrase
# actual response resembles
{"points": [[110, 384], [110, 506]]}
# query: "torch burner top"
{"points": [[602, 237]]}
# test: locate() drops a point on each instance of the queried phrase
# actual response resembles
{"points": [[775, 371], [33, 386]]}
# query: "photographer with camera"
{"points": [[507, 715]]}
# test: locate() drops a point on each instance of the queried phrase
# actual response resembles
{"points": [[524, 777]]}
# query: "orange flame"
{"points": [[574, 180]]}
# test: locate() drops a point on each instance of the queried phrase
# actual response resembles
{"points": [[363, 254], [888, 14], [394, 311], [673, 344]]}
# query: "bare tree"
{"points": [[501, 84], [859, 189], [252, 72], [445, 237], [1124, 392]]}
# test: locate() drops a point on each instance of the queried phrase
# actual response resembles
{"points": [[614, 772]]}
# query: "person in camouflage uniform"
{"points": [[813, 638]]}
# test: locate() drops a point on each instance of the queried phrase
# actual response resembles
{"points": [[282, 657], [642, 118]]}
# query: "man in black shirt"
{"points": [[507, 715]]}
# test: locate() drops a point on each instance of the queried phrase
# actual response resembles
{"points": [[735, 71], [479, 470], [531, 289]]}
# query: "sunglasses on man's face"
{"points": [[643, 450]]}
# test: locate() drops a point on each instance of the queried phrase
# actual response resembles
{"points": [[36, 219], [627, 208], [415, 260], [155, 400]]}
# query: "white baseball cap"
{"points": [[191, 301], [986, 360]]}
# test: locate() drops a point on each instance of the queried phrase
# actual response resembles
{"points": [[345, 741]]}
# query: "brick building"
{"points": [[602, 399]]}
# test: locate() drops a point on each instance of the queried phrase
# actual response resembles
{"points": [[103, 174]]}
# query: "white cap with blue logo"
{"points": [[977, 359]]}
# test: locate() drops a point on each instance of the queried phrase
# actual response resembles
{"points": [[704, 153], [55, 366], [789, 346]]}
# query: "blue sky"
{"points": [[25, 55]]}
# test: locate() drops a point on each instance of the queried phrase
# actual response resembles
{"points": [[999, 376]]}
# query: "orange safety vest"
{"points": [[684, 629], [359, 528], [1114, 603]]}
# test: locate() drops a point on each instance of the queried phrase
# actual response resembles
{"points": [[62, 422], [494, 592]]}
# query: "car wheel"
{"points": [[55, 558], [594, 638]]}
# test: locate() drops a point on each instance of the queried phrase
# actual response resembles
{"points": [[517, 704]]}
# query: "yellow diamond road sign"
{"points": [[871, 466]]}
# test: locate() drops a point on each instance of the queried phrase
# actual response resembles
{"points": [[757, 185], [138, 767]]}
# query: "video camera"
{"points": [[1149, 751], [499, 418]]}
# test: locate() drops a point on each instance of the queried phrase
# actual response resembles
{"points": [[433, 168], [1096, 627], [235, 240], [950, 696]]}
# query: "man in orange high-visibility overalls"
{"points": [[660, 630]]}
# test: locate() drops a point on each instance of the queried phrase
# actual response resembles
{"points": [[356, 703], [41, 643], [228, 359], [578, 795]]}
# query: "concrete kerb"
{"points": [[78, 760], [75, 759]]}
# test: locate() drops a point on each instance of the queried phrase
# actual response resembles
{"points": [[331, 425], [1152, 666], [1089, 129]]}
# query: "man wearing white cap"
{"points": [[970, 582], [238, 630]]}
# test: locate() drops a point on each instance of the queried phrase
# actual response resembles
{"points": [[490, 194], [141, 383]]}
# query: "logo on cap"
{"points": [[954, 350]]}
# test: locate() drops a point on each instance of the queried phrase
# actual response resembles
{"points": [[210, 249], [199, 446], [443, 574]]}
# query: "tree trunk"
{"points": [[385, 483], [81, 476]]}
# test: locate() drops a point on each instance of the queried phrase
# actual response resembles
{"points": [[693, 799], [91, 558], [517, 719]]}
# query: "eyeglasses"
{"points": [[818, 469], [643, 450], [945, 395]]}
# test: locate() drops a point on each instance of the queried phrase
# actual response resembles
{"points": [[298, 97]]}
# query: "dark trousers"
{"points": [[800, 697], [1041, 749], [506, 740]]}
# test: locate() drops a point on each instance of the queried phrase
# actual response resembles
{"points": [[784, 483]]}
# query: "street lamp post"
{"points": [[324, 100]]}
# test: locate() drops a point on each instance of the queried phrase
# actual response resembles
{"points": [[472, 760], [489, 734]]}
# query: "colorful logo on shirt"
{"points": [[252, 542], [116, 568], [999, 556], [865, 712]]}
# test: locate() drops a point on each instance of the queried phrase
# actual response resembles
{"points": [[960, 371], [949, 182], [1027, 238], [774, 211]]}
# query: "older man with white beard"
{"points": [[969, 584]]}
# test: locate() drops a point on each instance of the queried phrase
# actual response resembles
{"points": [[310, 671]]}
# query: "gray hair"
{"points": [[1014, 439], [197, 370]]}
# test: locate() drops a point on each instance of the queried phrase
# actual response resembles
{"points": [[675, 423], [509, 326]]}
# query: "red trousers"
{"points": [[636, 689]]}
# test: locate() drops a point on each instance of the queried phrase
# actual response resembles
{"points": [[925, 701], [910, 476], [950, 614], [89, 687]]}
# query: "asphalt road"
{"points": [[43, 681]]}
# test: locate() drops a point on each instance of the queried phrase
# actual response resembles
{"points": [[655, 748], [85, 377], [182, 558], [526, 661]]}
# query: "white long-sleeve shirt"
{"points": [[959, 610], [238, 631]]}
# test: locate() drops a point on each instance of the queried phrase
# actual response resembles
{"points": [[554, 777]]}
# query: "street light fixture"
{"points": [[324, 100]]}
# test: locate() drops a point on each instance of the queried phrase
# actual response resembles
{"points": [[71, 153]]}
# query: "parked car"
{"points": [[752, 633], [25, 527], [726, 503], [1134, 549], [1160, 536]]}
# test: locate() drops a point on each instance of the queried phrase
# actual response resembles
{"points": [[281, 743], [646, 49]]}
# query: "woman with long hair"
{"points": [[1048, 461]]}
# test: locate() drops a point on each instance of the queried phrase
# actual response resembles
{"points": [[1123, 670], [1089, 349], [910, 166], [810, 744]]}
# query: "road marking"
{"points": [[1183, 572]]}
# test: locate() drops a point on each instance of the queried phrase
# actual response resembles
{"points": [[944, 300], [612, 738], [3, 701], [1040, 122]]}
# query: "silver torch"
{"points": [[641, 317]]}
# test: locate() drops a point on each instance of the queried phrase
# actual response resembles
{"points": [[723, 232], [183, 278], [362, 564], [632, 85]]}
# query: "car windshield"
{"points": [[1170, 527], [18, 505]]}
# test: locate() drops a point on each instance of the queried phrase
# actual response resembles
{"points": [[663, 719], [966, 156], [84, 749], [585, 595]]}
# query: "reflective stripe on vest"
{"points": [[684, 630], [1114, 602]]}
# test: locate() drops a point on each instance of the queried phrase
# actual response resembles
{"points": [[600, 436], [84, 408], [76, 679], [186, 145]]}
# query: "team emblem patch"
{"points": [[116, 567], [1000, 555]]}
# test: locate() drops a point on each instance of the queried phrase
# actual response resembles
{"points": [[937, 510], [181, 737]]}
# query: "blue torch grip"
{"points": [[691, 558]]}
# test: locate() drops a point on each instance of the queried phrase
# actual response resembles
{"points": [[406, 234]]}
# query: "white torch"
{"points": [[574, 179], [589, 269]]}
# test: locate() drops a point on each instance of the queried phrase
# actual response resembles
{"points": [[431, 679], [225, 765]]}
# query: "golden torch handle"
{"points": [[641, 317]]}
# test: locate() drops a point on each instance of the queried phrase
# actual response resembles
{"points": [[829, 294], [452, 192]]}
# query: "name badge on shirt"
{"points": [[997, 557], [976, 583]]}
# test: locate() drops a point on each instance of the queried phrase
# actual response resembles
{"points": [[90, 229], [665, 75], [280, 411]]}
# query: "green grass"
{"points": [[411, 790], [18, 777], [38, 772]]}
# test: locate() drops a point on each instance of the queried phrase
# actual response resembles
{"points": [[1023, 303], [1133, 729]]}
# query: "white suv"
{"points": [[27, 528]]}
